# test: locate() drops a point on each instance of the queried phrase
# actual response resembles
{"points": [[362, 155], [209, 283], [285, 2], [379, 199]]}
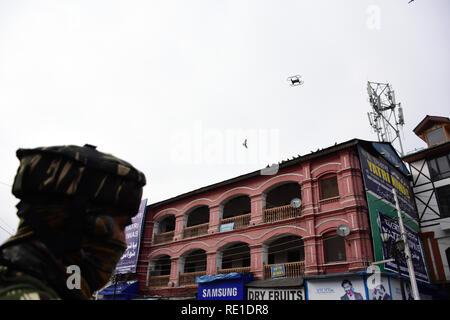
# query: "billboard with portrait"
{"points": [[381, 290], [380, 177]]}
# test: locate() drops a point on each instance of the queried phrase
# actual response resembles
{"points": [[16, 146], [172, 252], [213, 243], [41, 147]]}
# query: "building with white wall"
{"points": [[430, 169]]}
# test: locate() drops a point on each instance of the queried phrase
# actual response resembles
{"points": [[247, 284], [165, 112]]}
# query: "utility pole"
{"points": [[409, 262]]}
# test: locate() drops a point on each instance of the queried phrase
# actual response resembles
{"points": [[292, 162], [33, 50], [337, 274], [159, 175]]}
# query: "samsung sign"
{"points": [[275, 294], [223, 287], [220, 293]]}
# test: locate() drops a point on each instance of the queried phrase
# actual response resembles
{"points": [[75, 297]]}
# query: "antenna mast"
{"points": [[386, 115]]}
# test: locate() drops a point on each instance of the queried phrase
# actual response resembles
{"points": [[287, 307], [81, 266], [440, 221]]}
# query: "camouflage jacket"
{"points": [[29, 274], [16, 285]]}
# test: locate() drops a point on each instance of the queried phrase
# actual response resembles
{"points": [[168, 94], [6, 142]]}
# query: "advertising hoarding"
{"points": [[382, 289], [275, 294], [350, 288], [392, 227], [128, 261], [379, 178], [227, 227], [277, 271], [223, 287]]}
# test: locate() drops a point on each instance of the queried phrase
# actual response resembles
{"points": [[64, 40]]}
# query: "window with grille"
{"points": [[443, 199], [334, 248], [439, 167], [329, 188], [436, 136]]}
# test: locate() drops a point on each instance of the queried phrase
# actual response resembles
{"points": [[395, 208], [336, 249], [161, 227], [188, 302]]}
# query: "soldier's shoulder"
{"points": [[16, 285]]}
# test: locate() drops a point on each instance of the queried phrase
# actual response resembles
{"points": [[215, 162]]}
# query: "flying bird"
{"points": [[410, 1], [245, 143]]}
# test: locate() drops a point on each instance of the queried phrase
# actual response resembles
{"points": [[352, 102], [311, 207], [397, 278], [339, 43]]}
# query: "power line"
{"points": [[7, 225], [6, 230], [8, 185]]}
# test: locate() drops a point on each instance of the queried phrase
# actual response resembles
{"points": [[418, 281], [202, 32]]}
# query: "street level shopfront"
{"points": [[340, 286], [229, 286], [277, 289]]}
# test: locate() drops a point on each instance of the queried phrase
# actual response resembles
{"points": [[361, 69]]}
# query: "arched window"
{"points": [[198, 216], [237, 206], [167, 224], [197, 222], [286, 249], [236, 256], [334, 247], [283, 194], [328, 187], [195, 261], [162, 266], [164, 230]]}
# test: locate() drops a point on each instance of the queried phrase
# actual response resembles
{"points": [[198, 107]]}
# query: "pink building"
{"points": [[249, 224]]}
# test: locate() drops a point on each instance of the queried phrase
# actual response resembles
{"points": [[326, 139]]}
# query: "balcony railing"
{"points": [[163, 237], [292, 270], [237, 270], [195, 231], [281, 213], [188, 279], [159, 281], [240, 222]]}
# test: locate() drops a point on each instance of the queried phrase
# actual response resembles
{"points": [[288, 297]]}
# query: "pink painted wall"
{"points": [[318, 217]]}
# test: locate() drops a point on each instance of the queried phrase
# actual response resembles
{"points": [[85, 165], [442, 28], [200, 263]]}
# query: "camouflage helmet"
{"points": [[71, 172]]}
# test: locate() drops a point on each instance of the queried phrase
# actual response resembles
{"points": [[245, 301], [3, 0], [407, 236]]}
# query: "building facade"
{"points": [[249, 225], [430, 169]]}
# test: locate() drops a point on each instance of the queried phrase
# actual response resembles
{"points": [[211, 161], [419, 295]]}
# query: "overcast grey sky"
{"points": [[174, 86]]}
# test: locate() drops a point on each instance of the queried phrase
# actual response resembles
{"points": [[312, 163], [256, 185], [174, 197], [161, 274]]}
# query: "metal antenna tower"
{"points": [[386, 115]]}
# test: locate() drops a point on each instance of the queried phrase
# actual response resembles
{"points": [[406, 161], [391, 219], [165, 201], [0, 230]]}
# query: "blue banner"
{"points": [[380, 177], [128, 261], [227, 227], [278, 271], [388, 153], [392, 227], [230, 287]]}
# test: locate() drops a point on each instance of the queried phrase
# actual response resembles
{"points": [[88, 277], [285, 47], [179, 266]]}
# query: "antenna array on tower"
{"points": [[386, 115]]}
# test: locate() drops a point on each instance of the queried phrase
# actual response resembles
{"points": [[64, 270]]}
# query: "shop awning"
{"points": [[130, 288], [227, 276]]}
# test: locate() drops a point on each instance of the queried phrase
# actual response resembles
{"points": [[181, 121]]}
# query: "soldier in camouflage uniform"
{"points": [[75, 203]]}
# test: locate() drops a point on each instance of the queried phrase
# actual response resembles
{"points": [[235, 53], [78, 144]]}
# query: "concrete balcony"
{"points": [[163, 237], [240, 222], [237, 270], [195, 231], [188, 279], [280, 213], [292, 270], [159, 281]]}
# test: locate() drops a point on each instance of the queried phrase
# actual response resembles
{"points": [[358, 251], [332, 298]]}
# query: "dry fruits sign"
{"points": [[275, 294]]}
